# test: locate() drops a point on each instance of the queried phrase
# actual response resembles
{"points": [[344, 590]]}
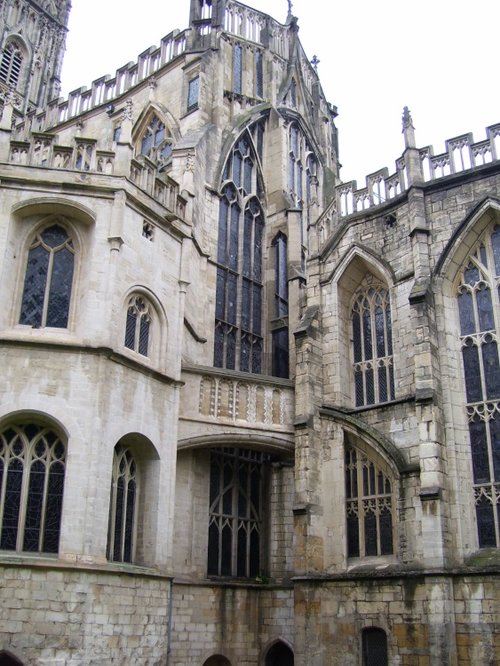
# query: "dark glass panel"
{"points": [[471, 274], [257, 309], [241, 552], [485, 523], [472, 374], [466, 312], [491, 368], [371, 476], [280, 353], [367, 331], [257, 251], [54, 236], [220, 297], [129, 522], [215, 479], [231, 349], [234, 236], [13, 483], [379, 331], [222, 241], [356, 335], [245, 353], [226, 555], [291, 172], [247, 244], [370, 522], [479, 450], [237, 67], [495, 243], [482, 254], [130, 328], [232, 294], [386, 545], [144, 335], [34, 287], [375, 647], [242, 490], [193, 92], [485, 309], [254, 553], [34, 506], [366, 487], [495, 446], [382, 384], [219, 347], [259, 77], [370, 387], [53, 510], [358, 382], [247, 175], [227, 493], [257, 356], [119, 514], [245, 304], [61, 280], [213, 549], [147, 143], [352, 535], [388, 324]]}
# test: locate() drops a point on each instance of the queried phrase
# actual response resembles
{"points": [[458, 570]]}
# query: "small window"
{"points": [[259, 74], [235, 532], [123, 506], [11, 64], [375, 647], [32, 465], [369, 506], [193, 93], [138, 325], [48, 279], [237, 68]]}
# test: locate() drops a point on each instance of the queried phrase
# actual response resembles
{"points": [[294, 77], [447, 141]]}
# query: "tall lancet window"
{"points": [[479, 310], [238, 312]]}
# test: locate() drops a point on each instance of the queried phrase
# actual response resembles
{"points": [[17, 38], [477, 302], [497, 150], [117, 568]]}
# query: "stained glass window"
{"points": [[11, 64], [478, 308], [32, 464], [369, 497], [123, 506], [138, 325], [48, 279], [235, 528], [372, 344], [238, 311]]}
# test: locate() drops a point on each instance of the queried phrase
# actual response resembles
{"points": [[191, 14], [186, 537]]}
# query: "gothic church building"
{"points": [[248, 412]]}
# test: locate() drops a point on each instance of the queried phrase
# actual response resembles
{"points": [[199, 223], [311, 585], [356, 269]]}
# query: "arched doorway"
{"points": [[279, 655], [215, 660], [7, 659]]}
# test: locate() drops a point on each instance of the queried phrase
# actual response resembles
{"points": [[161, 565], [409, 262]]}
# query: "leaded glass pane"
{"points": [[60, 288], [491, 368], [466, 312], [234, 237], [12, 505], [237, 68], [485, 523], [257, 309], [34, 287], [471, 275], [232, 295], [479, 449], [193, 92], [222, 241], [495, 244], [53, 511], [130, 328], [280, 353], [144, 335], [485, 309], [34, 507], [259, 77], [495, 445], [356, 332], [472, 373], [370, 534]]}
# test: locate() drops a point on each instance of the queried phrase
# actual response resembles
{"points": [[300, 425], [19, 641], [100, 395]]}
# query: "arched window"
{"points": [[238, 312], [279, 655], [237, 488], [479, 312], [32, 463], [372, 344], [123, 506], [11, 64], [370, 506], [302, 168], [48, 279], [155, 142], [138, 325], [374, 647]]}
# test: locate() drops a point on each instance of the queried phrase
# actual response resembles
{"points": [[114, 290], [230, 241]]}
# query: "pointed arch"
{"points": [[152, 135], [14, 61], [279, 653], [144, 324], [7, 658]]}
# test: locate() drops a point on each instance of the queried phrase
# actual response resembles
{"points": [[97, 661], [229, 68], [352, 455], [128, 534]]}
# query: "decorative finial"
{"points": [[289, 7], [407, 119], [408, 129], [315, 62]]}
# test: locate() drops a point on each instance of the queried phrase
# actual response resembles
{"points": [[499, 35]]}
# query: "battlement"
{"points": [[461, 154]]}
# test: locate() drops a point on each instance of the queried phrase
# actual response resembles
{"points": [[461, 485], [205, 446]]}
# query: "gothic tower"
{"points": [[32, 39]]}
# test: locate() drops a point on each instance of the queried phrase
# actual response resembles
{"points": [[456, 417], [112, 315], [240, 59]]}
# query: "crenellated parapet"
{"points": [[461, 154]]}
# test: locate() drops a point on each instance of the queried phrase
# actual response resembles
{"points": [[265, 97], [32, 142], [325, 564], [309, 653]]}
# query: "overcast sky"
{"points": [[438, 57]]}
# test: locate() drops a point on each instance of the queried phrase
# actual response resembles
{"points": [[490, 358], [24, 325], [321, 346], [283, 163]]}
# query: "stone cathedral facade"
{"points": [[248, 412]]}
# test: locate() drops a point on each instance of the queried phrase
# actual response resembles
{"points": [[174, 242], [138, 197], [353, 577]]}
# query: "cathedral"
{"points": [[248, 410]]}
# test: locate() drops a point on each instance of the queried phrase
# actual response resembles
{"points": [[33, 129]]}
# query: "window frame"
{"points": [[117, 535], [13, 56]]}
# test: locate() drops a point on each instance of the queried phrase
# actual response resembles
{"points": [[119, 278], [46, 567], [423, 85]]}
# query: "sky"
{"points": [[438, 57]]}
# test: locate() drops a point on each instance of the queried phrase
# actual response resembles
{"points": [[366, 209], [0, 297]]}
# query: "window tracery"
{"points": [[372, 344], [138, 325], [48, 279], [235, 528], [32, 467], [155, 142], [302, 168], [239, 295], [11, 63], [369, 506], [123, 506], [479, 307]]}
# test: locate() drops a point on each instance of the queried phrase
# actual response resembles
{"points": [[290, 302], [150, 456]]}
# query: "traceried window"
{"points": [[48, 279], [479, 311], [302, 168], [123, 506], [370, 506], [138, 325], [235, 529], [155, 142], [193, 93], [280, 323], [238, 323], [32, 464], [237, 68], [372, 344], [11, 64]]}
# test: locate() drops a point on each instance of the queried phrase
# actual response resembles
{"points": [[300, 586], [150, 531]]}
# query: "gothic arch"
{"points": [[8, 658], [54, 206], [217, 660], [279, 653], [373, 263], [163, 113], [159, 321]]}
